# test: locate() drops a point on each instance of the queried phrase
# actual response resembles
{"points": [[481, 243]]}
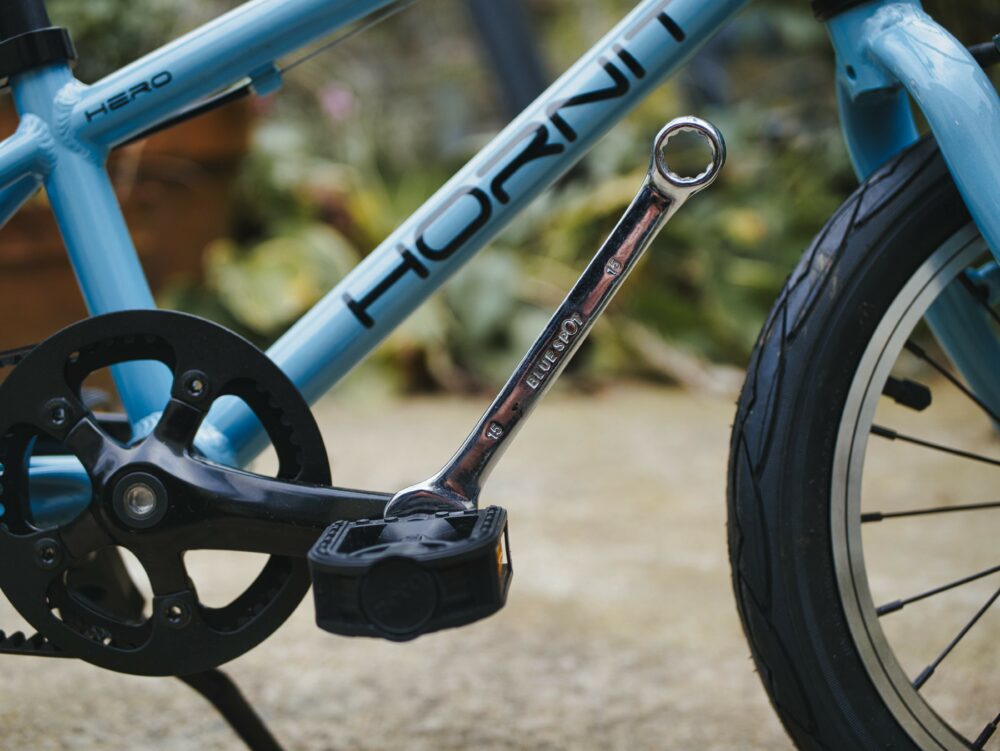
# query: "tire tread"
{"points": [[754, 435]]}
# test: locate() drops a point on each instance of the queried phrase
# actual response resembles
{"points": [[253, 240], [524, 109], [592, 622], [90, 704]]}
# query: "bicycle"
{"points": [[907, 245]]}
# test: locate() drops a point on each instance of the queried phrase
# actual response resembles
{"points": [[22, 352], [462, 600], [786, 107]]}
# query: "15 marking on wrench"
{"points": [[458, 484]]}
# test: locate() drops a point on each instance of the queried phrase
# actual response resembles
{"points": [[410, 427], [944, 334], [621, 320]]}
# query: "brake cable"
{"points": [[244, 89]]}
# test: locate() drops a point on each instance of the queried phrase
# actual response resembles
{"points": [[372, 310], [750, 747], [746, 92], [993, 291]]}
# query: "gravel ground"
{"points": [[620, 632]]}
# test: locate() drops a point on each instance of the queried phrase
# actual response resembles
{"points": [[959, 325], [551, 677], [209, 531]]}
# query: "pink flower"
{"points": [[337, 101]]}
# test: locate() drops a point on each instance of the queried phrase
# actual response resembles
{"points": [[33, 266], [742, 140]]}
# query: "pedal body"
{"points": [[401, 577]]}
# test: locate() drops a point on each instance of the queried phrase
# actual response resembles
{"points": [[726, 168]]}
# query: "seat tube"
{"points": [[93, 228]]}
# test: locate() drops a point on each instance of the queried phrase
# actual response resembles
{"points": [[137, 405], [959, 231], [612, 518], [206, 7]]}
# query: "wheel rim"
{"points": [[926, 725]]}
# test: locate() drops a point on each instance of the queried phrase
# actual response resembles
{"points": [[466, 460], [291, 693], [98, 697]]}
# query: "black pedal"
{"points": [[401, 577]]}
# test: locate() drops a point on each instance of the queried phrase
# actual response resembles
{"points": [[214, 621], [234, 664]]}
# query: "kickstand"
{"points": [[220, 690]]}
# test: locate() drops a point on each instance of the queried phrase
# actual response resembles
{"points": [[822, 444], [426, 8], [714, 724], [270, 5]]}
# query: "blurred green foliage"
{"points": [[364, 133], [353, 145], [110, 33]]}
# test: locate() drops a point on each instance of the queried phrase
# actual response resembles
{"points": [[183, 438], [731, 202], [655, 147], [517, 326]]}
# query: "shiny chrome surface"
{"points": [[140, 500], [663, 192]]}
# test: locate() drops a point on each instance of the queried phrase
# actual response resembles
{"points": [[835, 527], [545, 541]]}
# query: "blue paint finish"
{"points": [[890, 44], [878, 44], [956, 97], [857, 72], [59, 488], [884, 49], [92, 226], [877, 126], [14, 196], [25, 157], [266, 81], [964, 331], [330, 340], [24, 154], [231, 47], [988, 276]]}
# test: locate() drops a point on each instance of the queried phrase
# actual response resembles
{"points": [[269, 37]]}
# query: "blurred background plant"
{"points": [[365, 132]]}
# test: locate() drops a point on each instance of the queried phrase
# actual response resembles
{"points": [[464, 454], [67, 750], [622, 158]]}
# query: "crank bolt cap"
{"points": [[48, 554], [195, 385], [140, 500], [177, 613]]}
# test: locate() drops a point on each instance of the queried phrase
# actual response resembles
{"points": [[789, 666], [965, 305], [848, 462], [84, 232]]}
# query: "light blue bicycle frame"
{"points": [[886, 50]]}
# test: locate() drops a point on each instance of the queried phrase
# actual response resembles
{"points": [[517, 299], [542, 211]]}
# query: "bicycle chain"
{"points": [[11, 357], [16, 642], [33, 646]]}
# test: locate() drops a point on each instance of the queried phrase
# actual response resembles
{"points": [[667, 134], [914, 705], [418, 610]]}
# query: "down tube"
{"points": [[531, 153]]}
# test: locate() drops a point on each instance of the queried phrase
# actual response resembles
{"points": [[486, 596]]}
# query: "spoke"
{"points": [[877, 516], [892, 607], [988, 731], [929, 670], [977, 295], [919, 352], [895, 435]]}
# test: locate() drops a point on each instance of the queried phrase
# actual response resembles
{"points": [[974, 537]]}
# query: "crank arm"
{"points": [[435, 560], [457, 486]]}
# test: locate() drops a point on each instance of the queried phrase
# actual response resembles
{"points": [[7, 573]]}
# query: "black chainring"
{"points": [[40, 559]]}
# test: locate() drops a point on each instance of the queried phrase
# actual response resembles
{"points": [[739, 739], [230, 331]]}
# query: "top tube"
{"points": [[525, 158], [244, 42]]}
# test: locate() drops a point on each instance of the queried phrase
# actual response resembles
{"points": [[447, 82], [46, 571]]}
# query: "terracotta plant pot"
{"points": [[175, 190]]}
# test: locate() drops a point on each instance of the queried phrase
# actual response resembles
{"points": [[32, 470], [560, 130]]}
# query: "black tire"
{"points": [[782, 454]]}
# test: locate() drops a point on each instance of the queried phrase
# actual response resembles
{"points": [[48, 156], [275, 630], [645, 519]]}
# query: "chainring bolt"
{"points": [[57, 413], [178, 613], [48, 554], [195, 384]]}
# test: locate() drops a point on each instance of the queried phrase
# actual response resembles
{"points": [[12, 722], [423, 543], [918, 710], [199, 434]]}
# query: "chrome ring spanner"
{"points": [[663, 192]]}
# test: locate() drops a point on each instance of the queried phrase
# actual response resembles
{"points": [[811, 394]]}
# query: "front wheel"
{"points": [[863, 505]]}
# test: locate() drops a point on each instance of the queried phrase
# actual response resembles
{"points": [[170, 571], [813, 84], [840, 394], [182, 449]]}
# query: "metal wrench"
{"points": [[458, 484]]}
